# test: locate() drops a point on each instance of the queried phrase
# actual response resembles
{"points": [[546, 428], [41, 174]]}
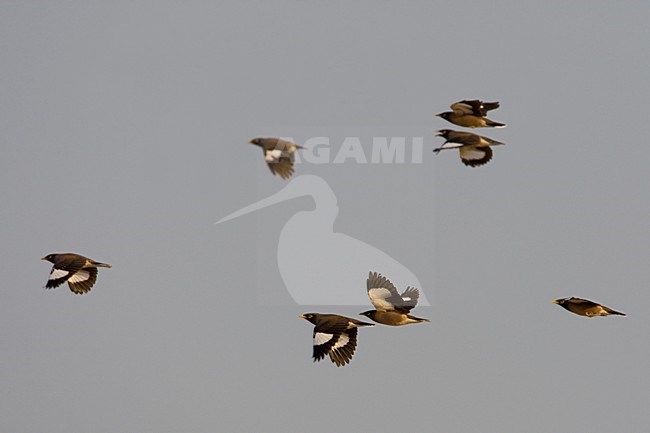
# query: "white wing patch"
{"points": [[321, 338], [472, 153], [378, 297], [451, 145], [273, 155], [82, 275], [342, 341], [58, 273]]}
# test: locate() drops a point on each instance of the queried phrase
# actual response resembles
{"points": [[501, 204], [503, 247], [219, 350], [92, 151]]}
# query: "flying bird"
{"points": [[584, 307], [391, 308], [335, 336], [278, 154], [471, 114], [474, 149], [80, 272]]}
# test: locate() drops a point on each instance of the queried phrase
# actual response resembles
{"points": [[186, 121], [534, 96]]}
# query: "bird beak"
{"points": [[555, 302], [302, 316], [438, 134], [44, 258], [251, 142], [439, 115]]}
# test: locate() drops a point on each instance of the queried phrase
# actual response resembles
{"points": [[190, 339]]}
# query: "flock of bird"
{"points": [[335, 335]]}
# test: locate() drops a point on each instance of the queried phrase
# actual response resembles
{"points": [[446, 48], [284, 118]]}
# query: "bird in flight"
{"points": [[391, 308], [474, 149], [471, 114], [335, 336], [278, 154], [80, 272], [584, 307]]}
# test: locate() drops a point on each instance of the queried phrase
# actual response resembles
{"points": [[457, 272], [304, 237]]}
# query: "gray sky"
{"points": [[123, 130]]}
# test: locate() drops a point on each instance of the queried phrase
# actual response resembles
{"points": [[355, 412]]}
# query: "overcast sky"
{"points": [[124, 130]]}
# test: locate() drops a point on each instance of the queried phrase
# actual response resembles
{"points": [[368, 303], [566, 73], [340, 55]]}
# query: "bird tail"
{"points": [[417, 319], [360, 324], [102, 265], [493, 124], [616, 313]]}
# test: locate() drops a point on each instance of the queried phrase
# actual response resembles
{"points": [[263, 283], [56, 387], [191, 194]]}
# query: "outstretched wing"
{"points": [[283, 167], [410, 298], [326, 335], [474, 107], [62, 272], [342, 351], [474, 156], [382, 292], [82, 281]]}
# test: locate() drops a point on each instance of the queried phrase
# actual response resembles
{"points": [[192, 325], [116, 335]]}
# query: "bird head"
{"points": [[370, 314], [256, 142], [310, 317], [49, 258], [560, 301], [443, 132], [444, 115]]}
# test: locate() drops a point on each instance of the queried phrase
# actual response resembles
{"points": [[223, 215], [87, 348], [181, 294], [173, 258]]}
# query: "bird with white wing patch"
{"points": [[80, 272], [391, 308], [278, 154], [335, 336], [474, 149]]}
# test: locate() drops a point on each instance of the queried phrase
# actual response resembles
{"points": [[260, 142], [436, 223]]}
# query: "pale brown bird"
{"points": [[335, 336], [391, 308], [278, 154], [584, 307], [474, 149], [80, 272], [471, 114]]}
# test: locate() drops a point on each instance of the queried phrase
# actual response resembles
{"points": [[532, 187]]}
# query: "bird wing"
{"points": [[326, 335], [463, 108], [382, 292], [283, 167], [585, 303], [341, 352], [61, 272], [474, 107], [410, 298], [280, 158], [83, 280], [474, 156]]}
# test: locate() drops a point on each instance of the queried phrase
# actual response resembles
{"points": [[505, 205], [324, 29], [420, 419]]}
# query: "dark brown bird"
{"points": [[471, 114], [335, 336], [474, 149], [80, 272], [391, 308], [278, 154], [584, 307]]}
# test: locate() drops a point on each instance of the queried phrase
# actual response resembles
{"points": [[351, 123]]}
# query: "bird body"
{"points": [[474, 149], [80, 272], [471, 114], [278, 154], [584, 307], [335, 336], [392, 318], [391, 308]]}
